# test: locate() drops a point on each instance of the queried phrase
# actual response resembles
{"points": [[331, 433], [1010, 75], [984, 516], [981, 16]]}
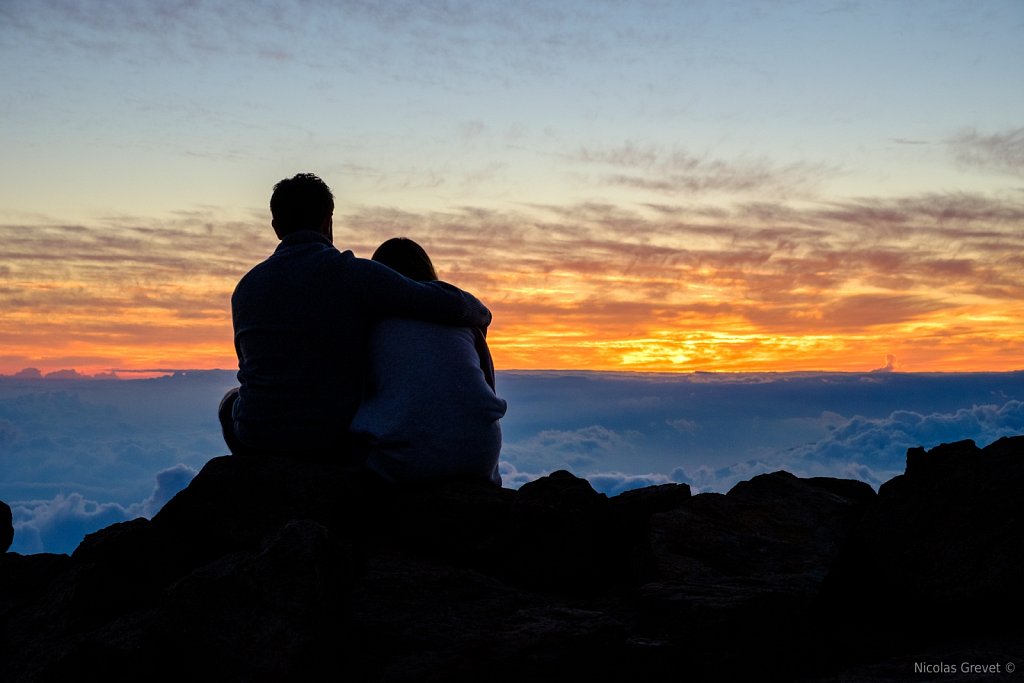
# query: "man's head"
{"points": [[302, 203]]}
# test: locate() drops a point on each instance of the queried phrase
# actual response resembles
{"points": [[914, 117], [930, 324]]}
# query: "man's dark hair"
{"points": [[300, 203]]}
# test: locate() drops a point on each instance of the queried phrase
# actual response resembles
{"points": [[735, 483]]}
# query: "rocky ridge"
{"points": [[272, 569]]}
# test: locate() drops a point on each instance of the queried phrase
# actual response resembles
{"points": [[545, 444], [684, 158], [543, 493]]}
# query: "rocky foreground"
{"points": [[270, 570]]}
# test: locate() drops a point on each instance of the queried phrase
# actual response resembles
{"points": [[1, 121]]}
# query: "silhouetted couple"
{"points": [[375, 361]]}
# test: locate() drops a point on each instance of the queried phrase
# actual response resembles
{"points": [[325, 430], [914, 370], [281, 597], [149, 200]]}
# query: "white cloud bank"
{"points": [[871, 450], [60, 524], [753, 416]]}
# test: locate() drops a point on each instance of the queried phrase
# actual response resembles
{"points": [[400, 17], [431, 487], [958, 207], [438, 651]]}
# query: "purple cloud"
{"points": [[1003, 152]]}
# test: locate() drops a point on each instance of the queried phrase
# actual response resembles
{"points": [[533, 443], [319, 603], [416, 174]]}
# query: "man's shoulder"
{"points": [[289, 256]]}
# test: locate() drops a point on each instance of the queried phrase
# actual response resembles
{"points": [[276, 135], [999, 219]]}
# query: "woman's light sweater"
{"points": [[430, 411]]}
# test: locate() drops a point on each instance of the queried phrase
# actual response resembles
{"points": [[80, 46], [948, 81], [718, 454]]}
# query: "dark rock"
{"points": [[117, 569], [942, 458], [986, 649], [116, 543], [235, 501], [747, 567], [272, 569], [6, 527], [414, 619], [24, 578], [239, 561], [460, 521], [640, 504], [247, 616], [943, 544], [847, 488], [775, 530], [633, 510], [561, 534]]}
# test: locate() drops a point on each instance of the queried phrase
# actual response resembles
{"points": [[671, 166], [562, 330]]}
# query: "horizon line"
{"points": [[71, 374]]}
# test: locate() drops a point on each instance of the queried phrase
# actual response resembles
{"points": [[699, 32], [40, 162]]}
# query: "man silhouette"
{"points": [[301, 321]]}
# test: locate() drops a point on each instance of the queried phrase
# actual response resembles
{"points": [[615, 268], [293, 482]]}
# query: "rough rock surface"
{"points": [[272, 569], [938, 556]]}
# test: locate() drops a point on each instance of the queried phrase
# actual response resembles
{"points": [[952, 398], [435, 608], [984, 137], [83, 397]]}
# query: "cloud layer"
{"points": [[712, 431], [935, 280], [1001, 152], [929, 279], [79, 454], [869, 450], [59, 525]]}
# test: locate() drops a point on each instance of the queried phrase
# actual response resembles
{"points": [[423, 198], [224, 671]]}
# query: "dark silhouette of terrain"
{"points": [[6, 527], [267, 569]]}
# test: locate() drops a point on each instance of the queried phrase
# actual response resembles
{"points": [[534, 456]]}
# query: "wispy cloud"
{"points": [[454, 42], [1002, 152], [861, 267], [586, 285], [129, 286], [673, 171], [573, 449]]}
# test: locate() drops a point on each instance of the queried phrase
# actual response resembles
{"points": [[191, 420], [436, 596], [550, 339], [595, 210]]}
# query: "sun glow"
{"points": [[96, 330]]}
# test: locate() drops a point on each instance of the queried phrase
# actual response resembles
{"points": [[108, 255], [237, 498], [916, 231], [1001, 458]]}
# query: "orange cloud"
{"points": [[937, 281]]}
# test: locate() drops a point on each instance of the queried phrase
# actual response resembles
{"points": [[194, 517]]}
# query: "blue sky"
{"points": [[77, 454], [643, 185], [140, 107]]}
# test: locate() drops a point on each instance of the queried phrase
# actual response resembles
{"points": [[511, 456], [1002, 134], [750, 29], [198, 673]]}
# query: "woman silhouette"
{"points": [[430, 410]]}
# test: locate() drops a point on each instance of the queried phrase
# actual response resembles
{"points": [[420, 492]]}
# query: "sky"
{"points": [[645, 185], [79, 454]]}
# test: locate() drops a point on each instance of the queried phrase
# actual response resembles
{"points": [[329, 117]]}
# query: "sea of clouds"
{"points": [[79, 454]]}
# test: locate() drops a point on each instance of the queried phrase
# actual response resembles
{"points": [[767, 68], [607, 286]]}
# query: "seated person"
{"points": [[302, 319], [430, 410]]}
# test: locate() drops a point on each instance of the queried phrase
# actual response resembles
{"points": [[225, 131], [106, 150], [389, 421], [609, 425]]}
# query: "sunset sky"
{"points": [[643, 185]]}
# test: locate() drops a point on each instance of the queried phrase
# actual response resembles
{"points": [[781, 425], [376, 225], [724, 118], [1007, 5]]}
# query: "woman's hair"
{"points": [[408, 258]]}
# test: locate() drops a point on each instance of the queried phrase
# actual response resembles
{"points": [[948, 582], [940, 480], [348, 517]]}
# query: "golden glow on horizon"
{"points": [[712, 351], [921, 347]]}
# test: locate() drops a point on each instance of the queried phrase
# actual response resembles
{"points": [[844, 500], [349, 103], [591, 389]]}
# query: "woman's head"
{"points": [[408, 258]]}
